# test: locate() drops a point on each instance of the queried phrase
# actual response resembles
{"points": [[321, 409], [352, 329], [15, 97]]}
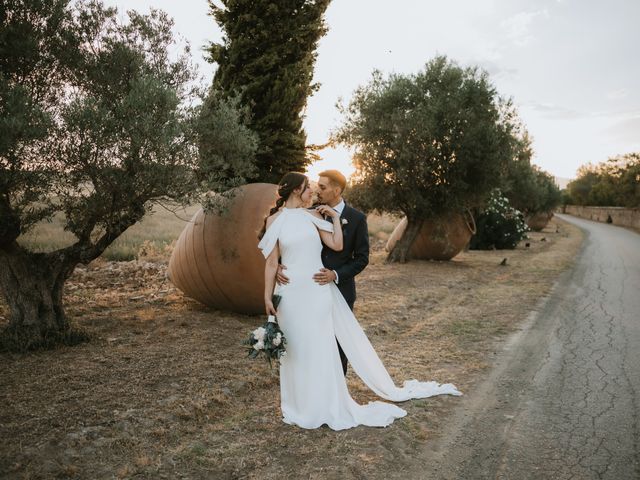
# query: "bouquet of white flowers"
{"points": [[268, 339]]}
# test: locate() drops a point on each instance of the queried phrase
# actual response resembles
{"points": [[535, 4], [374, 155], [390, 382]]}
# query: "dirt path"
{"points": [[163, 390]]}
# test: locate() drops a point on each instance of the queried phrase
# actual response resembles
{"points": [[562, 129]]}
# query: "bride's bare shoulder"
{"points": [[272, 218]]}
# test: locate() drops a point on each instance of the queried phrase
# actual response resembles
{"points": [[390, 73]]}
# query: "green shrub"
{"points": [[499, 225]]}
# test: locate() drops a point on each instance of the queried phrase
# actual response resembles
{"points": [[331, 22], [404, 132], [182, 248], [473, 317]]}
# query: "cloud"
{"points": [[622, 117], [518, 26], [617, 94], [626, 130], [551, 110], [495, 70]]}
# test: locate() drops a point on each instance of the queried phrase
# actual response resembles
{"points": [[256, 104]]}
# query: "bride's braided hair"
{"points": [[288, 183]]}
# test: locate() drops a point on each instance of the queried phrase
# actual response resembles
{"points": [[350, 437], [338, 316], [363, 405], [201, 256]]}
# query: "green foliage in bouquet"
{"points": [[267, 340], [499, 225]]}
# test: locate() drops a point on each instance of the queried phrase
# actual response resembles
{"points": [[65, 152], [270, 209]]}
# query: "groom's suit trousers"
{"points": [[343, 357]]}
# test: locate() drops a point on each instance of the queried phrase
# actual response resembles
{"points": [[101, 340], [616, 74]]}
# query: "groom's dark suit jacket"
{"points": [[354, 255]]}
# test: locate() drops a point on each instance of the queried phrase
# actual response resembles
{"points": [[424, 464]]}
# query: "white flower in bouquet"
{"points": [[267, 341], [258, 334]]}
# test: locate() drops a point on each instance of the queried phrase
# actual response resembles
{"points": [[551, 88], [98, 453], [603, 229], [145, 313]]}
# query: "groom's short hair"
{"points": [[335, 177]]}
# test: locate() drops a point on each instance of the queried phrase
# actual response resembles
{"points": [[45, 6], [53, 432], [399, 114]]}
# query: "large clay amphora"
{"points": [[216, 258], [538, 221], [438, 239]]}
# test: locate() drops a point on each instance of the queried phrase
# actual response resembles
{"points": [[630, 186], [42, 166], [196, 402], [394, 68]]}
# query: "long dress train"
{"points": [[313, 389]]}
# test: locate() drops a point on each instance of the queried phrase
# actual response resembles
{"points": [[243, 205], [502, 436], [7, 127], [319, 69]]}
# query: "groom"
{"points": [[341, 267]]}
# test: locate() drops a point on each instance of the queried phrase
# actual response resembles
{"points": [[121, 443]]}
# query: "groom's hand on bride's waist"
{"points": [[325, 276], [281, 278]]}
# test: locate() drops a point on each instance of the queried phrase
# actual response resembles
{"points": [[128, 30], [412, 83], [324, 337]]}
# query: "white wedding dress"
{"points": [[312, 385]]}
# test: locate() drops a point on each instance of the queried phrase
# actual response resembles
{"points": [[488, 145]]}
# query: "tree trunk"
{"points": [[400, 252], [32, 284]]}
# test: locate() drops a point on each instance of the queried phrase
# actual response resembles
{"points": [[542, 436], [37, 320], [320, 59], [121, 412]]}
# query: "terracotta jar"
{"points": [[216, 258], [438, 239], [538, 221]]}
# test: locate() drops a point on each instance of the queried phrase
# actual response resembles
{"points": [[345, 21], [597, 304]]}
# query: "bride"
{"points": [[313, 389]]}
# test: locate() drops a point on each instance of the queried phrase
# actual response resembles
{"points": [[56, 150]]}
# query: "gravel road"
{"points": [[562, 401]]}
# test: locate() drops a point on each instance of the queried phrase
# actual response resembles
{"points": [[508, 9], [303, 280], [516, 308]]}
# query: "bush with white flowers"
{"points": [[499, 225]]}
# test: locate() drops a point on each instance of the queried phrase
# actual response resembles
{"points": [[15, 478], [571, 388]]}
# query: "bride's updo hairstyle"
{"points": [[288, 183]]}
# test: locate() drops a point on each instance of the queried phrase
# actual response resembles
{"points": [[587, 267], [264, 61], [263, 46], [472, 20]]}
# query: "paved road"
{"points": [[564, 400]]}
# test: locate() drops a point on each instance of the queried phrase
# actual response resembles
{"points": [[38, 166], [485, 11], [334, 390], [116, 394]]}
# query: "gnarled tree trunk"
{"points": [[400, 251], [33, 284]]}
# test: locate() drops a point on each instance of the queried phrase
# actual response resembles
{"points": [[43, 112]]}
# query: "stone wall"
{"points": [[626, 217]]}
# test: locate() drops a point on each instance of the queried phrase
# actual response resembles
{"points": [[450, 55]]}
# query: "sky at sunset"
{"points": [[571, 66]]}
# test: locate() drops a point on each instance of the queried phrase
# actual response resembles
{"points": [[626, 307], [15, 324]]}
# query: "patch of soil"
{"points": [[164, 390]]}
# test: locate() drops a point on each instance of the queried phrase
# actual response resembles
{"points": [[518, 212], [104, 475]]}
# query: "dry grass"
{"points": [[157, 230], [163, 390], [160, 229]]}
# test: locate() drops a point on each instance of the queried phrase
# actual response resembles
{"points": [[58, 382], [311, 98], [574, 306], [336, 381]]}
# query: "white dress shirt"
{"points": [[339, 207]]}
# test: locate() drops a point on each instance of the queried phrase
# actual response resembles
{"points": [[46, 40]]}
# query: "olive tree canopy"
{"points": [[428, 144], [98, 121]]}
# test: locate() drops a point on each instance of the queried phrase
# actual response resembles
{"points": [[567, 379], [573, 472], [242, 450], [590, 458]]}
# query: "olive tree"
{"points": [[529, 188], [614, 182], [99, 120], [428, 144]]}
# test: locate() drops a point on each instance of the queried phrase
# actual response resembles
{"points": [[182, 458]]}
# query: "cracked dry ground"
{"points": [[563, 402], [164, 390]]}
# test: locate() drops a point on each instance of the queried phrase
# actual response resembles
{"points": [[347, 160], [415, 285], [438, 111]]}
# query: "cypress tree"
{"points": [[267, 56]]}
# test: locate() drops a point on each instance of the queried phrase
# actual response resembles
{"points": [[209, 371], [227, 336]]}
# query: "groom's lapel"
{"points": [[346, 211], [346, 214]]}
